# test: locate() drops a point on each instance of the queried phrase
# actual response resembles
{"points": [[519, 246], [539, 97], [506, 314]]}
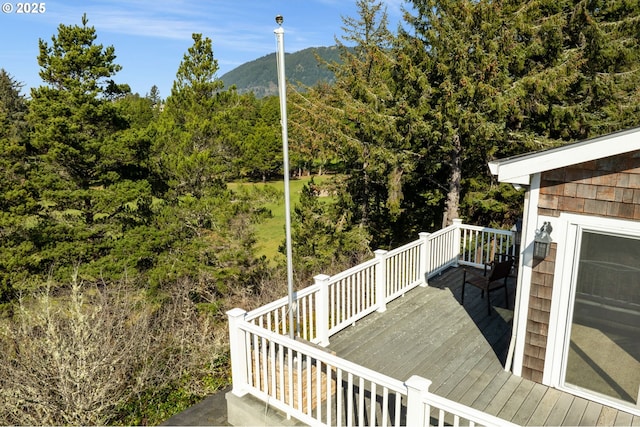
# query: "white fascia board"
{"points": [[494, 166], [518, 169], [495, 169]]}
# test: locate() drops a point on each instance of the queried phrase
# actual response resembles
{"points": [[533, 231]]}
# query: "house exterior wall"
{"points": [[538, 317], [607, 187]]}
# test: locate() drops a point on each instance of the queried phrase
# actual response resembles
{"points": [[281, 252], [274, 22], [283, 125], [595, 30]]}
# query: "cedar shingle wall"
{"points": [[538, 317], [608, 187]]}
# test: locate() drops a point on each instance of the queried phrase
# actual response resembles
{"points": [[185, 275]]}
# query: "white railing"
{"points": [[479, 245], [443, 249], [403, 268], [306, 382], [319, 388], [427, 409]]}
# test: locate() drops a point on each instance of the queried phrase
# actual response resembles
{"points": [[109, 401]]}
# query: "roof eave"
{"points": [[518, 170]]}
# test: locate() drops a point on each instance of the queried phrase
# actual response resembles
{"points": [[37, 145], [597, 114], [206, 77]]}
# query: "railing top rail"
{"points": [[404, 247], [274, 305], [486, 229], [466, 412], [352, 270], [323, 356], [442, 231]]}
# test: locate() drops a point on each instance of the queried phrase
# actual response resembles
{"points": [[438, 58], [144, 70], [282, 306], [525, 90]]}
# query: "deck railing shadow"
{"points": [[496, 327]]}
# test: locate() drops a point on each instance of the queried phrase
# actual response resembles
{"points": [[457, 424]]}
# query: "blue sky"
{"points": [[151, 36]]}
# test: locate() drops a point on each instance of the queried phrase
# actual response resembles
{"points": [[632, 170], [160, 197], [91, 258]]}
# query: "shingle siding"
{"points": [[607, 187], [538, 317]]}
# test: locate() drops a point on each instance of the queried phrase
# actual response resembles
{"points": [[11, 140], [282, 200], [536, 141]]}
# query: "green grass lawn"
{"points": [[270, 233]]}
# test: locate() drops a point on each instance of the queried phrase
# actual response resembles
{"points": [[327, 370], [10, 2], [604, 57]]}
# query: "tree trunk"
{"points": [[452, 205]]}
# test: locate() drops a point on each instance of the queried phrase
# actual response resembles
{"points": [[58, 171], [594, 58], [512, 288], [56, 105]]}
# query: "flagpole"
{"points": [[282, 87]]}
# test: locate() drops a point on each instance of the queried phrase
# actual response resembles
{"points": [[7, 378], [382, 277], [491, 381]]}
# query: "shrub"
{"points": [[99, 356]]}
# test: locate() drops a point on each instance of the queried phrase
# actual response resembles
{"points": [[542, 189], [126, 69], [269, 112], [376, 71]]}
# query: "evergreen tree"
{"points": [[138, 112], [14, 149], [154, 96], [17, 204], [89, 178], [362, 91], [355, 118], [261, 153], [309, 134], [323, 237], [493, 79], [581, 63], [237, 121], [204, 231], [456, 68], [190, 149]]}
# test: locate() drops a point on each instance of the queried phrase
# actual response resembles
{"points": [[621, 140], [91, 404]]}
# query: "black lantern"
{"points": [[517, 232], [542, 241]]}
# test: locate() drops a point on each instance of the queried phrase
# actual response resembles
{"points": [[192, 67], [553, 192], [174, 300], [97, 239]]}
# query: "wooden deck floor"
{"points": [[462, 350]]}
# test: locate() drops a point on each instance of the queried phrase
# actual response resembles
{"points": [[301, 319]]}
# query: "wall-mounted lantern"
{"points": [[517, 232], [542, 241]]}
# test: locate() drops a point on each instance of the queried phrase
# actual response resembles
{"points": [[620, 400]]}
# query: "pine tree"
{"points": [[190, 147], [154, 97], [203, 228], [261, 152], [90, 178]]}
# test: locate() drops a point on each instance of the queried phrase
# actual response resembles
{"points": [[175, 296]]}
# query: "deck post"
{"points": [[457, 237], [424, 260], [381, 280], [238, 350], [418, 412], [322, 309]]}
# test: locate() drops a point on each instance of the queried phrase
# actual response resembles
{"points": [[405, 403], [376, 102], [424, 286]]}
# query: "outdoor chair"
{"points": [[496, 278]]}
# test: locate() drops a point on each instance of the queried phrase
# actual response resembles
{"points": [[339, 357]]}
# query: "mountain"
{"points": [[301, 68]]}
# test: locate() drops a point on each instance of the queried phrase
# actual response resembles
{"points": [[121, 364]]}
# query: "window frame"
{"points": [[571, 227]]}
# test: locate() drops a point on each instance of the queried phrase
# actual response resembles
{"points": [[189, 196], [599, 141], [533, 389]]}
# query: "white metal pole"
{"points": [[282, 87]]}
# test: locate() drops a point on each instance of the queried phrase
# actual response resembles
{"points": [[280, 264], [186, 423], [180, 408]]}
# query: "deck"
{"points": [[401, 353], [462, 350]]}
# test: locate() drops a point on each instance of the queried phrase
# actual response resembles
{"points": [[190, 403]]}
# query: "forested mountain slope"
{"points": [[302, 67]]}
